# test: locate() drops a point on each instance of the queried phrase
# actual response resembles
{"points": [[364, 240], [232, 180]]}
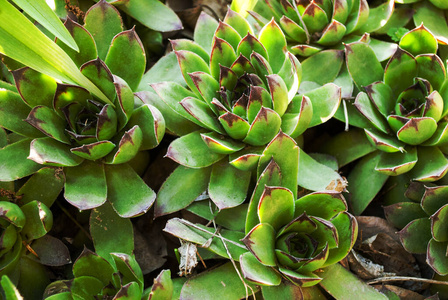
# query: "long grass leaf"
{"points": [[24, 42], [42, 13]]}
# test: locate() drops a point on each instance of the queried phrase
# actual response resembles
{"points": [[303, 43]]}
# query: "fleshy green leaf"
{"points": [[85, 185], [431, 165], [315, 176], [126, 57], [276, 207], [12, 113], [261, 242], [181, 188], [273, 39], [106, 227], [257, 273], [436, 256], [39, 220], [325, 101], [44, 186], [337, 281], [365, 182], [228, 186], [50, 152], [103, 21], [360, 57], [127, 192], [14, 163], [416, 235], [204, 31], [323, 67], [153, 14], [419, 41], [191, 151], [84, 39], [400, 71], [209, 283]]}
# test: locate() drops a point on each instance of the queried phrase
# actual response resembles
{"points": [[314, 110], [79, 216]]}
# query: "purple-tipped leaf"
{"points": [[94, 22], [84, 40], [191, 151], [276, 207], [397, 163], [261, 242], [126, 57], [97, 72], [34, 87], [258, 273], [47, 151]]}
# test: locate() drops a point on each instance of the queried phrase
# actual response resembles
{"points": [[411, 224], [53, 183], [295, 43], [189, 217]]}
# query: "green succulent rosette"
{"points": [[311, 26], [422, 217], [240, 92], [283, 239], [100, 146], [96, 277], [288, 236], [25, 220], [404, 108]]}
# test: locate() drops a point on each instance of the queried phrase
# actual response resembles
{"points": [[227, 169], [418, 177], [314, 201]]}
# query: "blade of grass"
{"points": [[44, 15], [22, 41]]}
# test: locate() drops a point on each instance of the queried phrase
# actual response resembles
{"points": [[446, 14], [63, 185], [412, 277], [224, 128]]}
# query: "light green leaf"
{"points": [[45, 16], [24, 42]]}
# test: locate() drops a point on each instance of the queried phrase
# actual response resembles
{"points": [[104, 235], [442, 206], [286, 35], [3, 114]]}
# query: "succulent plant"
{"points": [[98, 144], [421, 216], [311, 26], [286, 236], [95, 277], [241, 91], [24, 223], [402, 110], [295, 236]]}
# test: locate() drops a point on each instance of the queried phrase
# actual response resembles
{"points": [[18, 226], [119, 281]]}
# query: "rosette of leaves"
{"points": [[290, 237], [402, 110], [422, 218], [25, 221], [94, 277], [286, 238], [99, 144], [241, 91], [311, 26]]}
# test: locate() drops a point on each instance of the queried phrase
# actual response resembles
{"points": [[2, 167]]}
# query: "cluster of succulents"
{"points": [[98, 144], [239, 103]]}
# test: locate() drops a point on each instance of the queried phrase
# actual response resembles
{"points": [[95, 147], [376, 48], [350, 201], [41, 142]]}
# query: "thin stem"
{"points": [[185, 222], [405, 278]]}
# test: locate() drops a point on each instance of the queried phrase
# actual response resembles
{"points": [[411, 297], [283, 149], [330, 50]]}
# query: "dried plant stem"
{"points": [[185, 222], [246, 286], [404, 278]]}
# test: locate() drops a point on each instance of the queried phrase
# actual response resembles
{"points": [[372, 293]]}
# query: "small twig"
{"points": [[234, 265], [405, 278], [185, 222], [74, 220], [28, 247]]}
